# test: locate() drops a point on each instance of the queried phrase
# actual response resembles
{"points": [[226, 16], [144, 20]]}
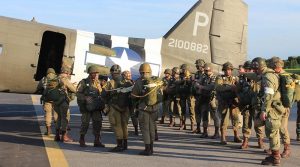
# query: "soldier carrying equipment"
{"points": [[118, 106], [147, 100], [90, 104], [228, 102]]}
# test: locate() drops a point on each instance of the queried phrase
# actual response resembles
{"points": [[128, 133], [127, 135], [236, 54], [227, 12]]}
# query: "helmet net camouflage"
{"points": [[276, 62], [93, 69], [176, 70], [168, 71], [65, 70], [247, 65], [227, 66], [145, 67], [115, 69], [187, 74], [50, 70], [200, 62], [258, 63], [208, 66]]}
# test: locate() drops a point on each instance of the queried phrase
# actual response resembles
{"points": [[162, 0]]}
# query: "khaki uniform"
{"points": [[166, 105], [247, 92], [298, 121], [148, 114], [187, 101], [47, 105], [132, 113], [272, 106], [198, 102], [118, 104], [174, 98], [89, 88], [62, 108], [209, 101], [227, 101], [287, 90]]}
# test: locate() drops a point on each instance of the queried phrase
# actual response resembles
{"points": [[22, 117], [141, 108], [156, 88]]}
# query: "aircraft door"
{"points": [[51, 53]]}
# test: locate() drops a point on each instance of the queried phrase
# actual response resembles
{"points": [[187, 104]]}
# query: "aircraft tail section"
{"points": [[213, 30]]}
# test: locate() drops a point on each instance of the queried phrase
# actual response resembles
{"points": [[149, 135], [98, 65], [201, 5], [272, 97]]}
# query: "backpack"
{"points": [[53, 91], [296, 78], [97, 104], [245, 93]]}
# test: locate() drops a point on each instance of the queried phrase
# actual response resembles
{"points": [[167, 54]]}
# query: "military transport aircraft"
{"points": [[214, 30]]}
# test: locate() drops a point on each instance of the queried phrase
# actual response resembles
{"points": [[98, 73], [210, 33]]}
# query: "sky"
{"points": [[274, 25]]}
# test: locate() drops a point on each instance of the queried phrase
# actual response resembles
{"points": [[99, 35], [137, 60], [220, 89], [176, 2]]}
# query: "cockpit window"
{"points": [[1, 48]]}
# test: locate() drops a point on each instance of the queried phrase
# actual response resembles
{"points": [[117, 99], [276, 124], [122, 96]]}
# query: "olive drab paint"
{"points": [[212, 30]]}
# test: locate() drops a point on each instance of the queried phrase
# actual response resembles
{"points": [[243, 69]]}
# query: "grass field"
{"points": [[293, 70]]}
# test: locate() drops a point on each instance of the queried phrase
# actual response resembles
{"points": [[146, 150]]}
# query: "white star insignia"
{"points": [[124, 62]]}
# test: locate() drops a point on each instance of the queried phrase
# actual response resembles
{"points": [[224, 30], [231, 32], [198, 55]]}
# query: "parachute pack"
{"points": [[289, 88], [53, 90], [296, 78]]}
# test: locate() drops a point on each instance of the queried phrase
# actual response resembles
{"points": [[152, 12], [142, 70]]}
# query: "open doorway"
{"points": [[51, 53]]}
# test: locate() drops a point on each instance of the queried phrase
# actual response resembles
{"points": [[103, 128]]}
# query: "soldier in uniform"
{"points": [[247, 89], [198, 102], [271, 109], [90, 105], [133, 114], [118, 103], [61, 107], [47, 104], [287, 89], [173, 95], [187, 101], [208, 100], [298, 121], [166, 100], [228, 102], [147, 104]]}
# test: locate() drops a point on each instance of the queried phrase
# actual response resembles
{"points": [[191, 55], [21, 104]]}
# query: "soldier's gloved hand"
{"points": [[263, 116]]}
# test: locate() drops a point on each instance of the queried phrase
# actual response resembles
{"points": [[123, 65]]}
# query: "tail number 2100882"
{"points": [[187, 45]]}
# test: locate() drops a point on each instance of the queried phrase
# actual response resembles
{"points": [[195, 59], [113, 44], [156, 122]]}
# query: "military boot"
{"points": [[147, 151], [156, 135], [217, 133], [273, 159], [198, 130], [261, 144], [151, 147], [119, 147], [97, 142], [48, 131], [181, 126], [57, 137], [184, 125], [172, 121], [65, 138], [298, 131], [193, 129], [223, 137], [245, 143], [125, 144], [237, 138], [286, 151], [136, 130], [82, 141], [205, 133], [268, 151], [162, 120]]}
